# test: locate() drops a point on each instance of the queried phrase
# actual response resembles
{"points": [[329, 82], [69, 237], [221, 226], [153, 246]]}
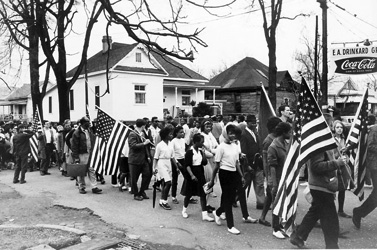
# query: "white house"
{"points": [[141, 84]]}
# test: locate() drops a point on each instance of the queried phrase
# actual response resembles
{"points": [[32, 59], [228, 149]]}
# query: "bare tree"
{"points": [[18, 24], [269, 27]]}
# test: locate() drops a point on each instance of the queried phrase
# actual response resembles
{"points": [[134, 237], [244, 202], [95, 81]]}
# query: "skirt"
{"points": [[194, 188]]}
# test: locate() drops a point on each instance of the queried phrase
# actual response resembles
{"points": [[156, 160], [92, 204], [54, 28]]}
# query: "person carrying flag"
{"points": [[322, 173]]}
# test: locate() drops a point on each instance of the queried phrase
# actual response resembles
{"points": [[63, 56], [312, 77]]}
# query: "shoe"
{"points": [[206, 217], [297, 242], [278, 234], [184, 213], [344, 215], [356, 219], [234, 230], [16, 181], [249, 220], [217, 218], [144, 195], [72, 178], [82, 191], [174, 200], [222, 216], [47, 173], [264, 223], [138, 198], [22, 182], [96, 190], [193, 201], [165, 206], [103, 182], [115, 185], [42, 173]]}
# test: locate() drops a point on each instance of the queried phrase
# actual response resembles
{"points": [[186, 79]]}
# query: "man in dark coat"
{"points": [[250, 146], [138, 160], [21, 149]]}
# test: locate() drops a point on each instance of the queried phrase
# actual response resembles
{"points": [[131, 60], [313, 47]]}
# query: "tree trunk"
{"points": [[36, 95], [63, 95], [272, 69]]}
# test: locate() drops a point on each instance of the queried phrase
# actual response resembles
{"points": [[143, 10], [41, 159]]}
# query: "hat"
{"points": [[251, 118]]}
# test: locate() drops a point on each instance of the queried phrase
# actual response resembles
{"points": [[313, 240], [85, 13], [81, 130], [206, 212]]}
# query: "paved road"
{"points": [[169, 227]]}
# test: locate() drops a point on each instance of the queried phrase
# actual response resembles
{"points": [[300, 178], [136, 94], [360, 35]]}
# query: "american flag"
{"points": [[265, 111], [36, 125], [88, 115], [311, 136], [110, 139], [357, 140]]}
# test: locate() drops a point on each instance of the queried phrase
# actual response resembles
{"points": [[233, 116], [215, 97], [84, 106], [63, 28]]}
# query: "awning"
{"points": [[15, 102], [355, 99]]}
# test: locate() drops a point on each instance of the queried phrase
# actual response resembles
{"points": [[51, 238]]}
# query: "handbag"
{"points": [[75, 170], [206, 189]]}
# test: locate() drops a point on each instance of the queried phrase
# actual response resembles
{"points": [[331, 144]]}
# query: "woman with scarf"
{"points": [[230, 174], [210, 144]]}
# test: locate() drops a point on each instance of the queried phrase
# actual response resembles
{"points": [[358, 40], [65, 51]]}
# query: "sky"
{"points": [[236, 32]]}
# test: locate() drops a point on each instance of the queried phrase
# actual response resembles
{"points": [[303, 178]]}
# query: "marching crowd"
{"points": [[203, 153]]}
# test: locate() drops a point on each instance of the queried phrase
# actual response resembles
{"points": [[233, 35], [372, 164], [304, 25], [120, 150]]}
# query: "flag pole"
{"points": [[268, 99], [356, 115]]}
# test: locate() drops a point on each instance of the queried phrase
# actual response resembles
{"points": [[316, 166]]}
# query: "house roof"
{"points": [[247, 73], [98, 63], [19, 93]]}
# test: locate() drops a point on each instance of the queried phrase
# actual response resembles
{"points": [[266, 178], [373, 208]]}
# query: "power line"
{"points": [[354, 15]]}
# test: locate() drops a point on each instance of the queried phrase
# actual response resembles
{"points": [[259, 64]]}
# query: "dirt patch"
{"points": [[30, 211], [23, 238]]}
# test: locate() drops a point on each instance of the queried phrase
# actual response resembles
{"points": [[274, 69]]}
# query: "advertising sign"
{"points": [[355, 60]]}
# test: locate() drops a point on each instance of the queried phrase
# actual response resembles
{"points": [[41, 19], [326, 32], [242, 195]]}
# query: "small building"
{"points": [[141, 83], [240, 87], [347, 98]]}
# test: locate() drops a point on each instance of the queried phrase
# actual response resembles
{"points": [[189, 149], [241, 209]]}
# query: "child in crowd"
{"points": [[178, 144]]}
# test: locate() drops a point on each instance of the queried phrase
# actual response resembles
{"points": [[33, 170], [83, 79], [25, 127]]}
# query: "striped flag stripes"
{"points": [[311, 136], [357, 141], [111, 138], [36, 125]]}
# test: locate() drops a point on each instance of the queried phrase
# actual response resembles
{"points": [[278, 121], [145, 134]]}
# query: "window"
{"points": [[50, 104], [71, 100], [186, 97], [138, 57], [237, 103], [140, 94], [96, 97]]}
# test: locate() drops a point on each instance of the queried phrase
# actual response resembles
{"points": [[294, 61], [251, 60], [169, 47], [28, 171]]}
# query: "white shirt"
{"points": [[252, 133], [179, 148], [227, 155]]}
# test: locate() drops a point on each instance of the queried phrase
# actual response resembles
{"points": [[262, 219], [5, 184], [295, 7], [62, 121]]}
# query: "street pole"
{"points": [[324, 89], [316, 59]]}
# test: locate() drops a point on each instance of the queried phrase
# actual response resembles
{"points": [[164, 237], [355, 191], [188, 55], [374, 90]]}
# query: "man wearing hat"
{"points": [[138, 160], [250, 146]]}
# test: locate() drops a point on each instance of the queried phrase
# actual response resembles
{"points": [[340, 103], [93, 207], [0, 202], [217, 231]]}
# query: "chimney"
{"points": [[106, 40]]}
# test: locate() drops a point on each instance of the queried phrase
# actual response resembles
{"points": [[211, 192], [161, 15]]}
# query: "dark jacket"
{"points": [[78, 142], [21, 146], [276, 154], [321, 168], [250, 147], [138, 151], [371, 160]]}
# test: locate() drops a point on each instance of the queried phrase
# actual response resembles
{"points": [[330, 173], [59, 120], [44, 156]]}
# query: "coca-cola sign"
{"points": [[354, 60], [356, 65]]}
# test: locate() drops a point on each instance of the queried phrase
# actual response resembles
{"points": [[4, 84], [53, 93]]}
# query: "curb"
{"points": [[47, 226]]}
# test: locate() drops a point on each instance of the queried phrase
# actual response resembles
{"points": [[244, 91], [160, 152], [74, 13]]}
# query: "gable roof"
{"points": [[174, 69], [19, 93], [247, 73]]}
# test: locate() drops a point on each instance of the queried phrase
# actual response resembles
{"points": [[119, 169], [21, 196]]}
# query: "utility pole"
{"points": [[316, 59], [324, 85]]}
